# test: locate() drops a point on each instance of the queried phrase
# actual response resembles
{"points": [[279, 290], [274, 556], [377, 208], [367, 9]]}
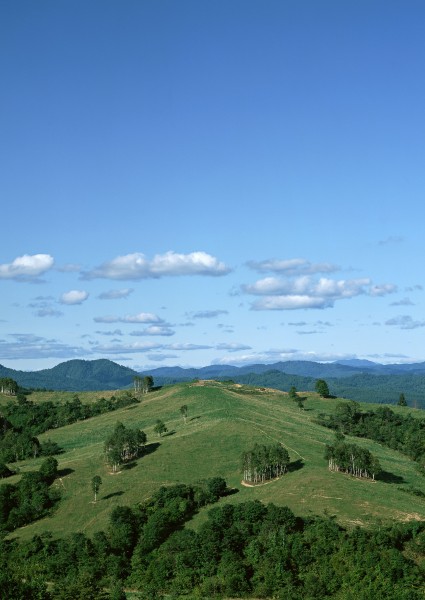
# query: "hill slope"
{"points": [[223, 421]]}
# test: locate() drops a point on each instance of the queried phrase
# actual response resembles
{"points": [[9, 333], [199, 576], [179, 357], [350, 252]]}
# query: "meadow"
{"points": [[223, 420]]}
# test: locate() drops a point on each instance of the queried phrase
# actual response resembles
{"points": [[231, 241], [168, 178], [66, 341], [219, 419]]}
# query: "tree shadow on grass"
{"points": [[65, 472], [296, 465], [387, 477], [128, 466], [149, 448], [168, 433], [113, 495], [194, 418]]}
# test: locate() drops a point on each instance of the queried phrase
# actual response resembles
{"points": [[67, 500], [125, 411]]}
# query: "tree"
{"points": [[160, 427], [183, 410], [293, 393], [402, 400], [49, 469], [96, 482], [321, 388]]}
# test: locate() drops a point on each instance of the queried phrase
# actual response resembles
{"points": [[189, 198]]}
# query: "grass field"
{"points": [[223, 421]]}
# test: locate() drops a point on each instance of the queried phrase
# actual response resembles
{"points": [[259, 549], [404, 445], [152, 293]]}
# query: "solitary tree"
{"points": [[96, 482], [402, 400], [321, 388], [183, 410], [160, 427], [293, 393]]}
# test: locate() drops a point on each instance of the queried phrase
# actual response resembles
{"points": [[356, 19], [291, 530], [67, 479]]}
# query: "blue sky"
{"points": [[197, 182]]}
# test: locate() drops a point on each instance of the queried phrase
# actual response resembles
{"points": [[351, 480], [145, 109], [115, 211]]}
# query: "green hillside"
{"points": [[223, 421]]}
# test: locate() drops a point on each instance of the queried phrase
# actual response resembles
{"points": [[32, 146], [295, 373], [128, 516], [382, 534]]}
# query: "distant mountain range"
{"points": [[361, 380]]}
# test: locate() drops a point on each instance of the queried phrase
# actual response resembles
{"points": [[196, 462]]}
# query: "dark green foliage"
{"points": [[263, 463], [30, 499], [123, 445], [248, 549], [321, 387], [402, 400], [49, 469], [399, 432], [352, 459], [160, 427]]}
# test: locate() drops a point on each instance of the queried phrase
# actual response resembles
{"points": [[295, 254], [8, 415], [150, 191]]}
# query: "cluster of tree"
{"points": [[123, 445], [352, 459], [143, 384], [36, 418], [8, 386], [30, 499], [263, 463], [242, 550], [397, 431]]}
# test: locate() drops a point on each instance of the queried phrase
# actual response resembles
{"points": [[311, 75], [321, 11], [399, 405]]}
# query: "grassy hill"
{"points": [[223, 421]]}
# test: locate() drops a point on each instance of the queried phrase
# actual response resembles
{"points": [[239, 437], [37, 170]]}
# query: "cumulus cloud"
{"points": [[136, 266], [292, 266], [115, 294], [155, 330], [139, 318], [405, 322], [308, 292], [27, 267], [383, 289], [74, 297]]}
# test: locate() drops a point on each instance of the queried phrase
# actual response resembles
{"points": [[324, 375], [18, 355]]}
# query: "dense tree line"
{"points": [[36, 418], [18, 444], [263, 463], [30, 499], [352, 459], [242, 550], [397, 431]]}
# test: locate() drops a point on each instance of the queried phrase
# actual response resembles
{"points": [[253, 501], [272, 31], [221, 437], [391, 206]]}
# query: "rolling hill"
{"points": [[223, 421]]}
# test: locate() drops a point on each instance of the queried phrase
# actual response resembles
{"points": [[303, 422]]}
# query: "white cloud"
{"points": [[115, 294], [293, 266], [135, 266], [308, 292], [139, 318], [154, 330], [29, 346], [27, 267], [208, 314], [290, 303], [383, 289], [125, 348], [188, 346], [233, 347], [74, 297]]}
